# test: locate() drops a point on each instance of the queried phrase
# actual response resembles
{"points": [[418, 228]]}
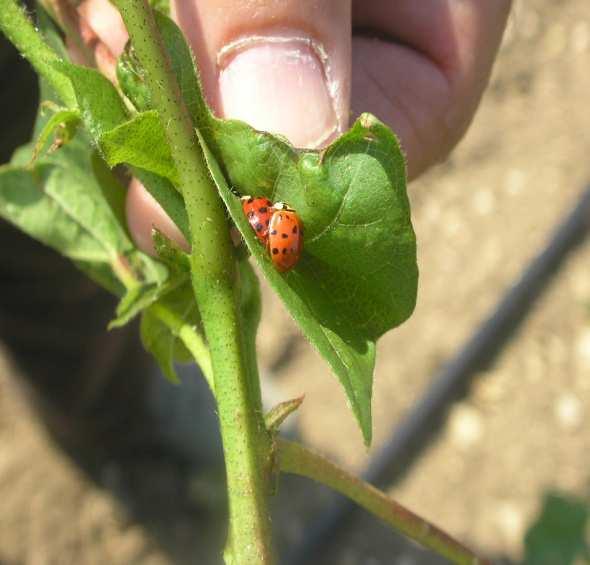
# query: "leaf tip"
{"points": [[367, 432], [367, 120]]}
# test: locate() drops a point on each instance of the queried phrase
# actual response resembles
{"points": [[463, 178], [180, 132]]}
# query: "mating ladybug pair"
{"points": [[278, 228]]}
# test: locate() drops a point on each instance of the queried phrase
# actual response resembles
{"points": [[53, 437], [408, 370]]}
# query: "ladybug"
{"points": [[285, 237], [259, 212]]}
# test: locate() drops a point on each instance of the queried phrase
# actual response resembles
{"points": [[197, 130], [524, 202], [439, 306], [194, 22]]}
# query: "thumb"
{"points": [[283, 67]]}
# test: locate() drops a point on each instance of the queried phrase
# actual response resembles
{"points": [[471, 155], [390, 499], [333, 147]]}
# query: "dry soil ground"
{"points": [[524, 429]]}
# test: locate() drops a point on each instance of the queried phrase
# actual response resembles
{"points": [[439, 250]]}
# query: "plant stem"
{"points": [[18, 28], [245, 440], [297, 459]]}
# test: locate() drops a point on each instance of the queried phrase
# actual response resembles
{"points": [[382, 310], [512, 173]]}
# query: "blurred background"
{"points": [[519, 432]]}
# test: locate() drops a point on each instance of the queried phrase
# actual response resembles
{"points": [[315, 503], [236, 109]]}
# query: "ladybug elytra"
{"points": [[259, 212], [285, 237], [278, 227]]}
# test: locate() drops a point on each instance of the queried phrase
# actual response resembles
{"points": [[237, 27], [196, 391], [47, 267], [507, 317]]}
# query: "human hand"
{"points": [[302, 67]]}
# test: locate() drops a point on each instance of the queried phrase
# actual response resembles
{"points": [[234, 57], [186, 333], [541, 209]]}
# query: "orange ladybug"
{"points": [[259, 212], [285, 237]]}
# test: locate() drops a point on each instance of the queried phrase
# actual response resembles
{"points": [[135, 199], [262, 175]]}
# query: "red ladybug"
{"points": [[285, 237], [259, 212]]}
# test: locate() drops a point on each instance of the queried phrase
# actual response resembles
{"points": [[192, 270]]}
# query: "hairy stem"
{"points": [[18, 28], [299, 460], [245, 442]]}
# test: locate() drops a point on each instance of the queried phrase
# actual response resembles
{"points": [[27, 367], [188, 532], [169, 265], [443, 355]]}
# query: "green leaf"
{"points": [[279, 413], [169, 253], [61, 202], [352, 193], [112, 190], [103, 109], [143, 296], [167, 196], [135, 300], [559, 534], [100, 105], [357, 277], [161, 5], [158, 340], [141, 142], [161, 327], [63, 123], [131, 79], [351, 357], [27, 201], [72, 202]]}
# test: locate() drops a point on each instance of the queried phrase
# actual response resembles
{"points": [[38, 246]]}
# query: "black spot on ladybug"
{"points": [[273, 232], [284, 235], [295, 230], [284, 250], [274, 250], [259, 227], [263, 209], [250, 200]]}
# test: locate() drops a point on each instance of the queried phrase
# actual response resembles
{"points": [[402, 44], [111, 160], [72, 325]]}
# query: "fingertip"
{"points": [[282, 68]]}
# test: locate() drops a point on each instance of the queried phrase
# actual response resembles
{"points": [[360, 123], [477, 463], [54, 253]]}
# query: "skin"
{"points": [[421, 67]]}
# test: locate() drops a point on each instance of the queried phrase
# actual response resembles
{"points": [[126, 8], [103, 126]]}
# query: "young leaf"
{"points": [[163, 323], [103, 109], [279, 413], [141, 297], [62, 122], [111, 188], [131, 79], [170, 254], [158, 340], [144, 144], [100, 105]]}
